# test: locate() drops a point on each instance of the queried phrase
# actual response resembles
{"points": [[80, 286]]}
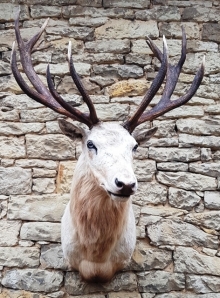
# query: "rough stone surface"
{"points": [[19, 256], [177, 204], [33, 280], [198, 264], [40, 231], [177, 232], [38, 208], [15, 180]]}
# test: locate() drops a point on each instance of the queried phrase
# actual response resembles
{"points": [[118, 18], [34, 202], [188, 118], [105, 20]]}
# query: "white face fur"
{"points": [[108, 149]]}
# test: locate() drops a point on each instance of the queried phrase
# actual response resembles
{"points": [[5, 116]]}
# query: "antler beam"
{"points": [[172, 74], [50, 98]]}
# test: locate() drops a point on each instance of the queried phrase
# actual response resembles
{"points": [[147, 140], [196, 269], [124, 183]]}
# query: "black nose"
{"points": [[125, 189]]}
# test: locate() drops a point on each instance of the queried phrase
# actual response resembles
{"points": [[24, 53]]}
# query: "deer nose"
{"points": [[125, 189]]}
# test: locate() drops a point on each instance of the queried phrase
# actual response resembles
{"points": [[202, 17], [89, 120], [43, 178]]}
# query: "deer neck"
{"points": [[98, 219]]}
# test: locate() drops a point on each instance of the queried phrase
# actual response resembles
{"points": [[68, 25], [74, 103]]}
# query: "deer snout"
{"points": [[125, 189]]}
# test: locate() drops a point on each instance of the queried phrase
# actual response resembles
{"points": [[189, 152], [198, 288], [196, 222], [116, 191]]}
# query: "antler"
{"points": [[50, 98], [172, 74]]}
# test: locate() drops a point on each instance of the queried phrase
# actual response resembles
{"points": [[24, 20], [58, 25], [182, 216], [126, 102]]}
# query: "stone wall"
{"points": [[177, 206]]}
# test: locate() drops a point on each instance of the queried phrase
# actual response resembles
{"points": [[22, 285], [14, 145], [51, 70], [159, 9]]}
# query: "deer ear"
{"points": [[71, 130], [144, 135]]}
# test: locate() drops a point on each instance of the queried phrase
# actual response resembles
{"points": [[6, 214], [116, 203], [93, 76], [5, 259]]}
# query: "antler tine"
{"points": [[173, 72], [80, 87], [161, 109], [131, 123], [78, 115], [41, 94]]}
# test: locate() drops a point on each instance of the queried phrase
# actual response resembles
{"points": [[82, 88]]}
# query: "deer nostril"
{"points": [[119, 183], [132, 185]]}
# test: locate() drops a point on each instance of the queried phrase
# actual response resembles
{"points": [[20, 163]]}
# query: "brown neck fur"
{"points": [[98, 219]]}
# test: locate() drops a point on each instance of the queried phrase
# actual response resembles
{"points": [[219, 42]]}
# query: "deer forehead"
{"points": [[111, 134]]}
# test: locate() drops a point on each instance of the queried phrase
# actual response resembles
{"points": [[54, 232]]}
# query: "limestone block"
{"points": [[109, 46], [20, 102], [166, 128], [37, 208], [38, 115], [194, 60], [5, 68], [3, 208], [121, 282], [144, 171], [188, 260], [213, 109], [38, 163], [203, 284], [8, 114], [212, 200], [162, 142], [7, 14], [203, 141], [210, 32], [52, 257], [93, 58], [124, 29], [172, 166], [41, 231], [55, 147], [68, 87], [15, 180], [210, 169], [90, 22], [174, 154], [65, 176], [208, 219], [35, 280], [11, 147], [40, 11], [113, 112], [62, 69], [188, 294], [198, 126], [7, 293], [200, 13], [122, 294], [159, 13], [19, 256], [83, 33], [123, 71], [13, 128], [7, 36], [183, 112], [209, 91], [150, 193], [39, 173], [201, 46], [180, 198], [148, 258], [187, 181], [177, 232], [128, 88], [173, 30], [138, 58], [9, 232], [43, 185], [131, 4], [160, 281]]}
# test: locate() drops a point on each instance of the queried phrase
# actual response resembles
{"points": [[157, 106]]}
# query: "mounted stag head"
{"points": [[98, 226]]}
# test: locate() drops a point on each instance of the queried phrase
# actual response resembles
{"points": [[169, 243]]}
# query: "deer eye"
{"points": [[135, 147], [91, 146]]}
